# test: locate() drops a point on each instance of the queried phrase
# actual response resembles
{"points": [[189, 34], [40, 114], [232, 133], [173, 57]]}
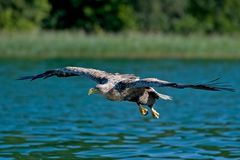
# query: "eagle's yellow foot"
{"points": [[143, 110], [155, 114]]}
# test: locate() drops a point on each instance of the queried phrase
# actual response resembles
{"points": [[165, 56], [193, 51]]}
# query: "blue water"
{"points": [[56, 119]]}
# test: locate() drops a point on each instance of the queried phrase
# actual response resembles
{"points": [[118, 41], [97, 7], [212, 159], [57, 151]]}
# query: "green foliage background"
{"points": [[166, 16], [22, 14]]}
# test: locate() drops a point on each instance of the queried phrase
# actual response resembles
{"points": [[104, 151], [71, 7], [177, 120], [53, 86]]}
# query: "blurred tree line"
{"points": [[168, 16]]}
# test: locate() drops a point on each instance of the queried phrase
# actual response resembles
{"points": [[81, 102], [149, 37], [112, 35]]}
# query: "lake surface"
{"points": [[56, 119]]}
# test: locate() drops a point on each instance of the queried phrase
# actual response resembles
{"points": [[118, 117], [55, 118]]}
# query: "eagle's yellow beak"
{"points": [[92, 91]]}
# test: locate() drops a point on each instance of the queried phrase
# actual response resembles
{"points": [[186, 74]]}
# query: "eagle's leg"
{"points": [[155, 114], [142, 110]]}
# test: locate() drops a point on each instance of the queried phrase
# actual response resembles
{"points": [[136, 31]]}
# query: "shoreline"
{"points": [[66, 44]]}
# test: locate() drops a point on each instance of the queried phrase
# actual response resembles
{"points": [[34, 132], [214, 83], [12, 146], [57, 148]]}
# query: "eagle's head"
{"points": [[100, 89]]}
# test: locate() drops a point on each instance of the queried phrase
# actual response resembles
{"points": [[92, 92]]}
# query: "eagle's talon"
{"points": [[143, 110], [155, 114]]}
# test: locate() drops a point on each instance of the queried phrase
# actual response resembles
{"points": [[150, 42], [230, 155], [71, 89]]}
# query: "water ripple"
{"points": [[53, 120]]}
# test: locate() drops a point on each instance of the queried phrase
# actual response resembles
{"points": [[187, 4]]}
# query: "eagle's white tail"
{"points": [[162, 96], [165, 97]]}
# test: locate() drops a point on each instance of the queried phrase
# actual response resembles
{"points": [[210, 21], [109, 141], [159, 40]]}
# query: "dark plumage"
{"points": [[128, 87]]}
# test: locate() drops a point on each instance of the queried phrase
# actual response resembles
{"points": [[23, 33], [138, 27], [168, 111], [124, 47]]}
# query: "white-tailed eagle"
{"points": [[128, 87]]}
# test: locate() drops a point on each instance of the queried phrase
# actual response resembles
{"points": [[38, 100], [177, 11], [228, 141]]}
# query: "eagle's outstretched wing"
{"points": [[154, 82], [96, 75]]}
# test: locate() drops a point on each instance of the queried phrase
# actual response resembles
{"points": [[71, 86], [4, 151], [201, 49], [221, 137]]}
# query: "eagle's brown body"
{"points": [[127, 87], [144, 96]]}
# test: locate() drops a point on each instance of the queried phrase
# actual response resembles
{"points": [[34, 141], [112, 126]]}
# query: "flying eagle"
{"points": [[127, 87]]}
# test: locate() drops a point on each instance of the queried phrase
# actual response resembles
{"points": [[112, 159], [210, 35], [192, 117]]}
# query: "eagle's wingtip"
{"points": [[215, 85], [26, 78]]}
